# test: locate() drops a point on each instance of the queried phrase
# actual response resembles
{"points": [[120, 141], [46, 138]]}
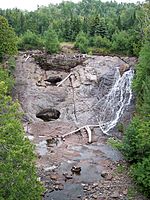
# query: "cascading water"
{"points": [[112, 105]]}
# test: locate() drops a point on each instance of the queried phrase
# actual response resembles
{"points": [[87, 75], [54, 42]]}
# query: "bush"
{"points": [[8, 39], [98, 51], [101, 42], [142, 79], [121, 43], [141, 173], [51, 42], [136, 142], [82, 42], [18, 178], [29, 41], [9, 82], [120, 127]]}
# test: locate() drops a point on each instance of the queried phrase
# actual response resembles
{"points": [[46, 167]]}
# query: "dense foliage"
{"points": [[7, 39], [118, 24], [18, 178], [29, 40], [51, 42], [136, 143], [82, 42]]}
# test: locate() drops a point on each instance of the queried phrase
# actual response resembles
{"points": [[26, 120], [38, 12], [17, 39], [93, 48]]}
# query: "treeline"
{"points": [[95, 26], [136, 142], [18, 176]]}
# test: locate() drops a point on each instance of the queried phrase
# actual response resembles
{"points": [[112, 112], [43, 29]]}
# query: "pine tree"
{"points": [[51, 41], [8, 39]]}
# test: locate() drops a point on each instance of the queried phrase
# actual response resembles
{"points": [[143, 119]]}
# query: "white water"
{"points": [[112, 105]]}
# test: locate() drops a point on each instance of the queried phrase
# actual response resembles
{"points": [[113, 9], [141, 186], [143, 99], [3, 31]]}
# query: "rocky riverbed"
{"points": [[69, 166]]}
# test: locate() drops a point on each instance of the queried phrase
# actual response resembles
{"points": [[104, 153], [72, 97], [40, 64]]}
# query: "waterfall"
{"points": [[112, 105]]}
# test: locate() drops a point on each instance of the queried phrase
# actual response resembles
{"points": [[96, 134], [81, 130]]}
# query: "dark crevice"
{"points": [[49, 114], [54, 80]]}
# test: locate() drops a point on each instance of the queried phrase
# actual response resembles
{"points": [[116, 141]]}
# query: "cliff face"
{"points": [[91, 79], [53, 108]]}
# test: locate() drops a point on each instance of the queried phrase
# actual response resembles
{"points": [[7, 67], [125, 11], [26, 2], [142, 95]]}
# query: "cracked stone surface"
{"points": [[74, 99]]}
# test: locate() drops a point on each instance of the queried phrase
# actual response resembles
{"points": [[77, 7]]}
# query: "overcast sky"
{"points": [[32, 4]]}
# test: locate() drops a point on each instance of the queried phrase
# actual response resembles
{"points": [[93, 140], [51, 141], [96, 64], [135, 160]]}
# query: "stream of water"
{"points": [[112, 105]]}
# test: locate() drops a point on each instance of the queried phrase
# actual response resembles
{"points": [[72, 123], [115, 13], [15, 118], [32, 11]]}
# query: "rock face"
{"points": [[78, 99], [59, 62], [51, 112]]}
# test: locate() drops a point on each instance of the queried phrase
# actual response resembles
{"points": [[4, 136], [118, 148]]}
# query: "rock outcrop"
{"points": [[69, 167]]}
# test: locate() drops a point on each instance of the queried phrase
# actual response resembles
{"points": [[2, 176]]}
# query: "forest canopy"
{"points": [[109, 26]]}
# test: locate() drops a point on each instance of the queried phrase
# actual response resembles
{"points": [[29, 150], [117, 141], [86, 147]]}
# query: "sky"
{"points": [[32, 4]]}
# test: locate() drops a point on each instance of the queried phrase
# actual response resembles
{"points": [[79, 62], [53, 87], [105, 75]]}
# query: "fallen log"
{"points": [[27, 58], [86, 127], [64, 79], [89, 132]]}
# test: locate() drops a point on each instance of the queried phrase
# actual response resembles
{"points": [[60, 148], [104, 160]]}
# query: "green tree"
{"points": [[82, 42], [51, 42], [101, 42], [30, 40], [141, 174], [141, 82], [18, 178], [136, 142], [98, 26], [8, 39], [121, 43]]}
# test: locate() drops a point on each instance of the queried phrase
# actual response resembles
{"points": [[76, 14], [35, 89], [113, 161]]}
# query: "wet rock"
{"points": [[58, 186], [48, 114], [94, 196], [95, 185], [115, 194], [51, 168], [53, 141], [54, 177], [67, 176], [104, 174], [123, 68], [76, 170], [125, 192], [109, 177]]}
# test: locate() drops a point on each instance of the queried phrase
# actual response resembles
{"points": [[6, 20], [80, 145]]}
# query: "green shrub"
{"points": [[121, 43], [11, 65], [120, 127], [101, 42], [8, 39], [30, 40], [141, 83], [136, 142], [115, 143], [141, 173], [9, 82], [99, 51], [51, 42], [82, 42], [18, 178]]}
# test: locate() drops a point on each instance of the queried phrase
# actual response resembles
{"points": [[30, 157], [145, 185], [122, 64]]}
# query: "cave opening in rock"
{"points": [[49, 114], [54, 80]]}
